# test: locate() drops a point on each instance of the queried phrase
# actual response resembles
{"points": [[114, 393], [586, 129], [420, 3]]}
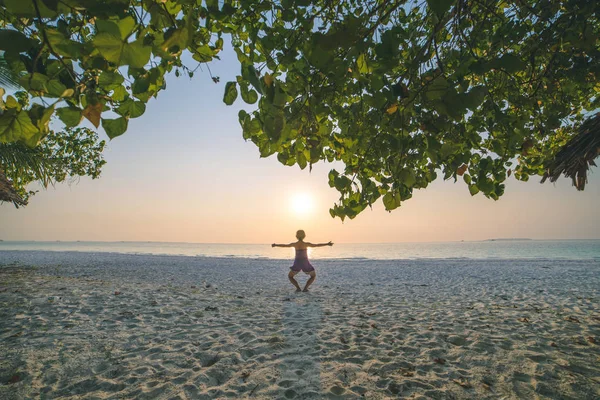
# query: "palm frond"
{"points": [[576, 157], [8, 78], [17, 159], [8, 192]]}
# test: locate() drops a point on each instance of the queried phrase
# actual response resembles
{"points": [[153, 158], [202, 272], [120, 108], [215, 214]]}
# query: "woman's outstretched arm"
{"points": [[319, 244], [282, 245]]}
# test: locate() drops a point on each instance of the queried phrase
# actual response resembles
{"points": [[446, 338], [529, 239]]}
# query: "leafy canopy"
{"points": [[397, 91], [61, 156]]}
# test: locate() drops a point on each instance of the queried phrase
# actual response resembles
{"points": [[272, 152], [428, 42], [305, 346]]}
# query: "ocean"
{"points": [[489, 249]]}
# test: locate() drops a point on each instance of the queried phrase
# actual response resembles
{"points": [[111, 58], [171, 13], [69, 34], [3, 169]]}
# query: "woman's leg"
{"points": [[313, 276], [294, 282]]}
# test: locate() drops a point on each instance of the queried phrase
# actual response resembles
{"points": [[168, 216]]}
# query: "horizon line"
{"points": [[259, 243]]}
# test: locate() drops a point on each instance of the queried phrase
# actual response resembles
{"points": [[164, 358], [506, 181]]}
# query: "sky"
{"points": [[183, 173]]}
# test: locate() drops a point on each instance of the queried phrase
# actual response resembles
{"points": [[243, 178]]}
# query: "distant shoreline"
{"points": [[507, 239]]}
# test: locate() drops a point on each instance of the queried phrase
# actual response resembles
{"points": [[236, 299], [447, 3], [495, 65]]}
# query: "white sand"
{"points": [[199, 328]]}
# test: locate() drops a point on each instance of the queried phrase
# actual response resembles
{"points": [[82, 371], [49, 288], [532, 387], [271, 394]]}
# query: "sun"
{"points": [[302, 204]]}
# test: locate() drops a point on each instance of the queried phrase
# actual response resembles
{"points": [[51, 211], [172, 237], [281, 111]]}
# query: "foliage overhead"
{"points": [[397, 91], [61, 156]]}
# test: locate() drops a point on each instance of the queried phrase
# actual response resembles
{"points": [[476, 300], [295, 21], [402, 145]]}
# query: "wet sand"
{"points": [[83, 326]]}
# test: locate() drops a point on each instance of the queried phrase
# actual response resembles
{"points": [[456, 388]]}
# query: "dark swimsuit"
{"points": [[301, 262]]}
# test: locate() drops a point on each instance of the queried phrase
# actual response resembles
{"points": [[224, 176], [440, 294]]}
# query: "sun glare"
{"points": [[302, 204]]}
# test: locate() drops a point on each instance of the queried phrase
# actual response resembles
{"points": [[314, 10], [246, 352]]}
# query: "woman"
{"points": [[301, 262]]}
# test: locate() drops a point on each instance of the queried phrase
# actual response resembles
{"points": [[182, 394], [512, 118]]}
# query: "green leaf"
{"points": [[176, 39], [485, 185], [231, 93], [114, 50], [243, 116], [203, 54], [131, 108], [437, 88], [249, 73], [20, 8], [452, 105], [51, 4], [480, 67], [17, 126], [109, 46], [70, 116], [283, 158], [279, 96], [474, 97], [55, 88], [63, 46], [473, 189], [273, 126], [342, 183], [251, 127], [11, 102], [267, 148], [248, 95], [362, 64], [35, 82], [439, 7], [212, 5], [407, 177], [140, 85], [137, 109], [136, 55], [301, 160], [318, 56], [40, 117], [14, 41], [510, 63], [114, 127], [110, 80], [126, 26], [391, 201], [120, 93], [109, 27]]}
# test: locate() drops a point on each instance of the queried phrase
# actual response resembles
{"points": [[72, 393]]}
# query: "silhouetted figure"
{"points": [[301, 262]]}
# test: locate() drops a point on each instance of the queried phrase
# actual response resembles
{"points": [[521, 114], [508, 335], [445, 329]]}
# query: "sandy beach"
{"points": [[109, 326]]}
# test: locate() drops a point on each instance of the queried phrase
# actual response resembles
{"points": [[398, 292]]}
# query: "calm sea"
{"points": [[497, 249]]}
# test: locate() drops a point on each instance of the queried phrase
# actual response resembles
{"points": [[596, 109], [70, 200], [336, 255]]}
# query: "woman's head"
{"points": [[300, 235]]}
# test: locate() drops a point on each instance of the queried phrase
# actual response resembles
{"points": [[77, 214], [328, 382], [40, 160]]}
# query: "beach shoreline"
{"points": [[117, 326]]}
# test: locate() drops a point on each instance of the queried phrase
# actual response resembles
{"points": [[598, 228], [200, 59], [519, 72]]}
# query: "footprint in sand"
{"points": [[337, 390], [521, 377], [132, 381], [537, 357], [456, 340], [358, 389]]}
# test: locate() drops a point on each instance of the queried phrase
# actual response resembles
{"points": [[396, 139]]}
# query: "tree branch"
{"points": [[42, 28]]}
